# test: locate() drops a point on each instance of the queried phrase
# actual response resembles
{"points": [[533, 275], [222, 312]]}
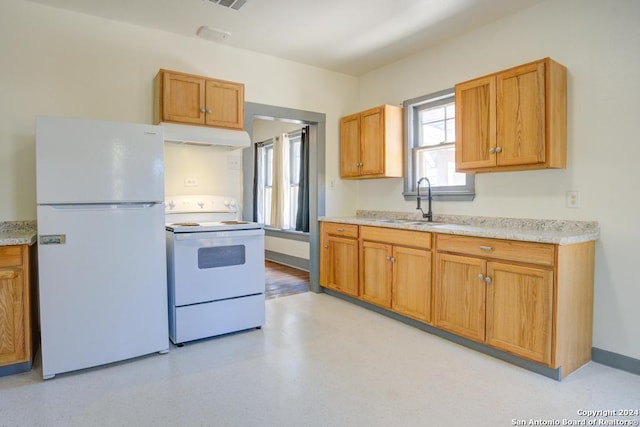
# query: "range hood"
{"points": [[205, 136]]}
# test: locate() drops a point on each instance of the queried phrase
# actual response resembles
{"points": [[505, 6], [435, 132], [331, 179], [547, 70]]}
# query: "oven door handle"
{"points": [[219, 234]]}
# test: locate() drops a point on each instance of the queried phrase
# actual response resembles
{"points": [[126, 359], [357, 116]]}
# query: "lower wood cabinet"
{"points": [[507, 306], [532, 300], [16, 320], [339, 257], [395, 270]]}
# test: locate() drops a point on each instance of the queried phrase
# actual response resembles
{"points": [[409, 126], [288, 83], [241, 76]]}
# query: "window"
{"points": [[283, 162], [430, 148]]}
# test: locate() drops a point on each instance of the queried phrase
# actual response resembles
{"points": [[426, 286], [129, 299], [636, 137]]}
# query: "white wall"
{"points": [[56, 62], [63, 63], [598, 41]]}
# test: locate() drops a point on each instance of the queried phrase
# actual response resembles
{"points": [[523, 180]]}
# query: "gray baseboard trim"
{"points": [[289, 235], [555, 374], [15, 369], [615, 360], [288, 260]]}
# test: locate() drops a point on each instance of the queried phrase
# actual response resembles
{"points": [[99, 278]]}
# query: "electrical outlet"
{"points": [[233, 162], [573, 199], [190, 182]]}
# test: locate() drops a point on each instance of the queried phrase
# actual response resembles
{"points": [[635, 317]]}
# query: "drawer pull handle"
{"points": [[340, 230], [486, 248]]}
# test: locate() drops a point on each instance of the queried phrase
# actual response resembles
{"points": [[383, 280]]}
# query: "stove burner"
{"points": [[186, 224]]}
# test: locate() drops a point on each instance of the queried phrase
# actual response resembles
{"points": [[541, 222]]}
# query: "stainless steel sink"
{"points": [[411, 222]]}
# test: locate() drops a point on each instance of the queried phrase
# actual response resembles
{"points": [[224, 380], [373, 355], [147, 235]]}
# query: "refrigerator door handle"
{"points": [[103, 206]]}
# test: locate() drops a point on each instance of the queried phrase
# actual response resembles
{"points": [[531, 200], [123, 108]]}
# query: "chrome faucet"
{"points": [[429, 214]]}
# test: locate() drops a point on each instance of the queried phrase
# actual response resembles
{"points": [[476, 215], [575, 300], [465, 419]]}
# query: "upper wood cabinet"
{"points": [[515, 119], [371, 143], [189, 99]]}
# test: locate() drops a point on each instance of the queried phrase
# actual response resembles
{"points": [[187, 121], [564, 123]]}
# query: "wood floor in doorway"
{"points": [[282, 281]]}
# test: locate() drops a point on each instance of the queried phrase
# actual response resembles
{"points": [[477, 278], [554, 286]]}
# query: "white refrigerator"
{"points": [[101, 242]]}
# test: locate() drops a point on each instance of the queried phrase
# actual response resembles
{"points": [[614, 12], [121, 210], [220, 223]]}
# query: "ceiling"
{"points": [[350, 37]]}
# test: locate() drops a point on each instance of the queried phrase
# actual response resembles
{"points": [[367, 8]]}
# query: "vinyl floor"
{"points": [[318, 361]]}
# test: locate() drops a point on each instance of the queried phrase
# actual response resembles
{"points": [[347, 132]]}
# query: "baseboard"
{"points": [[615, 360], [15, 369], [288, 260]]}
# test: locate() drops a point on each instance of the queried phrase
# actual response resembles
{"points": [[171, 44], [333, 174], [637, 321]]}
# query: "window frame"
{"points": [[411, 109], [295, 138]]}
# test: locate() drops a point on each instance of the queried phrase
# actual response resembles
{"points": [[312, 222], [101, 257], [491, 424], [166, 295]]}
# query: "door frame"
{"points": [[317, 125]]}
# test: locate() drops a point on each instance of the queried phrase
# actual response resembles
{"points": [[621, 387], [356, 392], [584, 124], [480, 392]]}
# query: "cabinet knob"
{"points": [[208, 110], [492, 150], [203, 110], [480, 276], [498, 149], [487, 280], [326, 246], [388, 258]]}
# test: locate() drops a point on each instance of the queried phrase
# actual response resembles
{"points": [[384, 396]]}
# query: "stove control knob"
{"points": [[170, 205], [227, 203], [201, 204]]}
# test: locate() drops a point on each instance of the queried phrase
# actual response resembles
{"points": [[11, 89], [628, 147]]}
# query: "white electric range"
{"points": [[215, 268]]}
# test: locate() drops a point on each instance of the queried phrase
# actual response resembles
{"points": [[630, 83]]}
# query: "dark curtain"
{"points": [[255, 181], [302, 216]]}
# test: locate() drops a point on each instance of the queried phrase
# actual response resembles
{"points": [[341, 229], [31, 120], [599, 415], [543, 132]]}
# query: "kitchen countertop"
{"points": [[17, 233], [562, 232]]}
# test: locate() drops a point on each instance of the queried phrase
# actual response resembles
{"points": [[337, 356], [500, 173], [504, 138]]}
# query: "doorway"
{"points": [[317, 125]]}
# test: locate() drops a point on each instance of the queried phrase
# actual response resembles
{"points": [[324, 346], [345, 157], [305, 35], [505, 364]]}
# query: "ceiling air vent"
{"points": [[233, 4]]}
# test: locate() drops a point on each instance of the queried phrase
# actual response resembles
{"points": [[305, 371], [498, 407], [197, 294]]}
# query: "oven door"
{"points": [[216, 265]]}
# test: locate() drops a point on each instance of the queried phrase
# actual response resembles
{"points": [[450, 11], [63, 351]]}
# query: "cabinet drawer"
{"points": [[10, 256], [393, 236], [534, 253], [338, 229]]}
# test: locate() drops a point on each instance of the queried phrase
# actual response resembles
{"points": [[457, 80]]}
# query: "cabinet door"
{"points": [[476, 123], [350, 146], [519, 310], [459, 295], [521, 115], [12, 317], [411, 290], [372, 153], [376, 273], [341, 264], [183, 98], [224, 104]]}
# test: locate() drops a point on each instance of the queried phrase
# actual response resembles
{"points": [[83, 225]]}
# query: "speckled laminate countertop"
{"points": [[17, 233], [560, 232]]}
